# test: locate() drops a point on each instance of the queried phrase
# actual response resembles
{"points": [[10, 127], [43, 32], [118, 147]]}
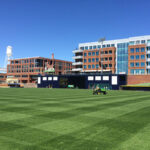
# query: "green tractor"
{"points": [[98, 91]]}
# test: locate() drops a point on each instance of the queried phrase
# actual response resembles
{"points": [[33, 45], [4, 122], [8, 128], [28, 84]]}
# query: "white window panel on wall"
{"points": [[49, 78], [55, 78], [114, 80], [90, 78], [105, 78], [44, 78], [39, 80], [97, 78]]}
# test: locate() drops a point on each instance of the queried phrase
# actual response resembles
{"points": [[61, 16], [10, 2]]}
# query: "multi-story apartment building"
{"points": [[122, 56], [27, 69]]}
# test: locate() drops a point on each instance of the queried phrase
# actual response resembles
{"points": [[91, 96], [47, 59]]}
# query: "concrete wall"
{"points": [[138, 79]]}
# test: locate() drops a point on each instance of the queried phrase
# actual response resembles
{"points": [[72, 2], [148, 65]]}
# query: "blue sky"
{"points": [[42, 27]]}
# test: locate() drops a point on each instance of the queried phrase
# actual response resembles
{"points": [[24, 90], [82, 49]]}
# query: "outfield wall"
{"points": [[138, 79], [109, 81]]}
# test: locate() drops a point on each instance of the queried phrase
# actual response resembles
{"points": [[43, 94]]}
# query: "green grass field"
{"points": [[62, 119]]}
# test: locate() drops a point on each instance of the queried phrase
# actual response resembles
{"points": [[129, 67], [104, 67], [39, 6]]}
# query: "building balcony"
{"points": [[77, 51], [77, 63], [77, 57], [77, 69]]}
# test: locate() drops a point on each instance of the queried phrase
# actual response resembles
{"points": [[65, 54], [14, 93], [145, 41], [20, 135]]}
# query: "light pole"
{"points": [[101, 40]]}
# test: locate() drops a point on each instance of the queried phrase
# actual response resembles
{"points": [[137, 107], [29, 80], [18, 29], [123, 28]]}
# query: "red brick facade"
{"points": [[138, 79], [108, 59], [27, 69], [136, 60]]}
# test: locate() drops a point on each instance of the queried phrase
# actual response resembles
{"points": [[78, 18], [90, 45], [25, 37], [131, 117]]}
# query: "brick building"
{"points": [[27, 69], [129, 56], [93, 56]]}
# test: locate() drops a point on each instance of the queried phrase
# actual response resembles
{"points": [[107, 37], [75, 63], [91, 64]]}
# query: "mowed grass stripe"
{"points": [[98, 107], [62, 119], [94, 115], [106, 134]]}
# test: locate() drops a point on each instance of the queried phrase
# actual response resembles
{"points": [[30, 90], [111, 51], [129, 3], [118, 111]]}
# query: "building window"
{"points": [[97, 59], [106, 58], [97, 53], [89, 53], [132, 71], [89, 60], [131, 43], [85, 54], [105, 66], [102, 52], [143, 41], [93, 53], [131, 64], [139, 71], [132, 50], [93, 66], [110, 58], [84, 66], [89, 66], [106, 52], [94, 47], [138, 42], [142, 64], [108, 45], [97, 66], [99, 46], [148, 48], [132, 57], [86, 47], [142, 71], [82, 48], [142, 49], [93, 59], [137, 64], [137, 50], [148, 56], [110, 52], [142, 56], [112, 45], [103, 46], [110, 65], [84, 60], [90, 47], [137, 56], [148, 41]]}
